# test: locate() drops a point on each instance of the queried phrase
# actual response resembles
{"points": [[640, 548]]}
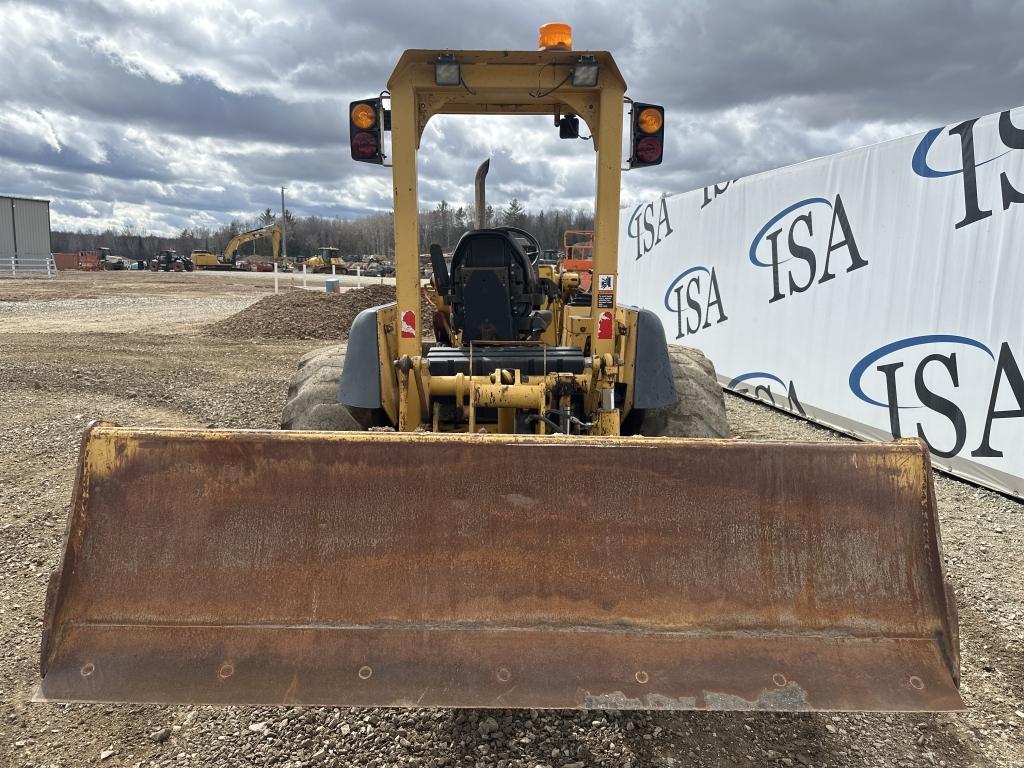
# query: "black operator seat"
{"points": [[494, 289]]}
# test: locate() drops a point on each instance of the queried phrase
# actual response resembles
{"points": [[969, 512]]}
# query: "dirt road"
{"points": [[74, 350]]}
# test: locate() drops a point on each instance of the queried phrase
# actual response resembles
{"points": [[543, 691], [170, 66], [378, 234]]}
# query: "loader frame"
{"points": [[510, 83]]}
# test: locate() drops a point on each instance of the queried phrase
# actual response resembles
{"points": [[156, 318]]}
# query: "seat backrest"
{"points": [[493, 287]]}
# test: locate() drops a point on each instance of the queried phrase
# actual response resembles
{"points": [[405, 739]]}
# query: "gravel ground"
{"points": [[129, 314], [47, 393], [132, 302], [105, 285]]}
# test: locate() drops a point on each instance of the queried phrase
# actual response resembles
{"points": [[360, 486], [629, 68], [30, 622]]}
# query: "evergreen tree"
{"points": [[514, 215]]}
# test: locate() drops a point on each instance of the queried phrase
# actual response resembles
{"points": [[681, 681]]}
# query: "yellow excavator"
{"points": [[325, 258], [230, 260], [541, 508], [204, 258]]}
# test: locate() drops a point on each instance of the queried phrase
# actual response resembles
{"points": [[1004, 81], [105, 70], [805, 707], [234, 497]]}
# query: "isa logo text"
{"points": [[696, 300], [759, 385], [977, 200], [792, 243], [648, 226], [954, 392]]}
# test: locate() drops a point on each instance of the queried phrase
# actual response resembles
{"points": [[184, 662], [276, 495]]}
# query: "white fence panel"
{"points": [[880, 290]]}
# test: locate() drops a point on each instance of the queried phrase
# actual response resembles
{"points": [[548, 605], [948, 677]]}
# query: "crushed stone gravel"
{"points": [[49, 391]]}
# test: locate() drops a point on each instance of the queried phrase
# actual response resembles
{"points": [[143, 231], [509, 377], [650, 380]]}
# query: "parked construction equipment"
{"points": [[169, 260], [327, 259], [204, 258], [539, 530], [271, 232], [578, 254], [85, 261], [108, 261]]}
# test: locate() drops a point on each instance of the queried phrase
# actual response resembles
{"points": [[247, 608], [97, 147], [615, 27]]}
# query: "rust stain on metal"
{"points": [[672, 573]]}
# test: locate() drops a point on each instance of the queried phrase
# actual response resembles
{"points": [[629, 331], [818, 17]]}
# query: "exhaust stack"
{"points": [[480, 221]]}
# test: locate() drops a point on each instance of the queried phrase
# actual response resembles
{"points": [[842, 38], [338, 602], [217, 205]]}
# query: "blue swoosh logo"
{"points": [[777, 217], [858, 370], [676, 282], [919, 163], [755, 375]]}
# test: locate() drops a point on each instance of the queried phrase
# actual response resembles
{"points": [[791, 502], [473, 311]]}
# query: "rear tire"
{"points": [[700, 410], [312, 402]]}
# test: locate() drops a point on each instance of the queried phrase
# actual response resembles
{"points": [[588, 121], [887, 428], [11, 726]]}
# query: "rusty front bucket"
{"points": [[500, 571]]}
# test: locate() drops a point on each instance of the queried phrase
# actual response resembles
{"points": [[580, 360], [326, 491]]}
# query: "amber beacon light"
{"points": [[555, 37]]}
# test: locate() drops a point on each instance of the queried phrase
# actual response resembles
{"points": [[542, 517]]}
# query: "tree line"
{"points": [[369, 235]]}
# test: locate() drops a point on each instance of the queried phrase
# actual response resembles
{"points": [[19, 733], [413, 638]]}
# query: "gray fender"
{"points": [[360, 377], [653, 384]]}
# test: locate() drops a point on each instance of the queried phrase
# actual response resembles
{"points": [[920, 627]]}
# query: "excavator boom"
{"points": [[668, 574], [271, 231]]}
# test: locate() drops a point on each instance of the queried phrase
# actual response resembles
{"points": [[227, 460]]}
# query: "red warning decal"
{"points": [[604, 325], [408, 324]]}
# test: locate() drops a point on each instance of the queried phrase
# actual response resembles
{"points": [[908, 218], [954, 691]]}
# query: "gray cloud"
{"points": [[179, 114]]}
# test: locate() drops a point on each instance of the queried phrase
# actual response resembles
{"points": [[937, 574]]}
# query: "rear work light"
{"points": [[584, 74], [447, 70]]}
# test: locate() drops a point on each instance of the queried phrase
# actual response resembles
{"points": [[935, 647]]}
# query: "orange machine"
{"points": [[578, 247]]}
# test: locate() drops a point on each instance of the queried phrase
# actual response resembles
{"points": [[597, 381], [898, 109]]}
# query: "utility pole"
{"points": [[284, 231]]}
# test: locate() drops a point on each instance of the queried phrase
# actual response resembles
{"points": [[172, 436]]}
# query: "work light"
{"points": [[584, 74], [446, 70]]}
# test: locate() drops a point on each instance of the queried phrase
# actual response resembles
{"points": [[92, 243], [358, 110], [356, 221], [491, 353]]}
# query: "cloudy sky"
{"points": [[175, 114]]}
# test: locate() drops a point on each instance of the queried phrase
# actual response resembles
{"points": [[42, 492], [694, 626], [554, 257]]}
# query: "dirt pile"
{"points": [[299, 314]]}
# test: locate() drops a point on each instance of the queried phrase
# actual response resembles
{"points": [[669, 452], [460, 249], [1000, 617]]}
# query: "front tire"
{"points": [[312, 402], [700, 410]]}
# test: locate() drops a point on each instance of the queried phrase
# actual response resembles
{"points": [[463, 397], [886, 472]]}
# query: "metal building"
{"points": [[25, 236]]}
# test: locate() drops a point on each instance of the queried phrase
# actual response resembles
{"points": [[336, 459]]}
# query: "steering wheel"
{"points": [[532, 248]]}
